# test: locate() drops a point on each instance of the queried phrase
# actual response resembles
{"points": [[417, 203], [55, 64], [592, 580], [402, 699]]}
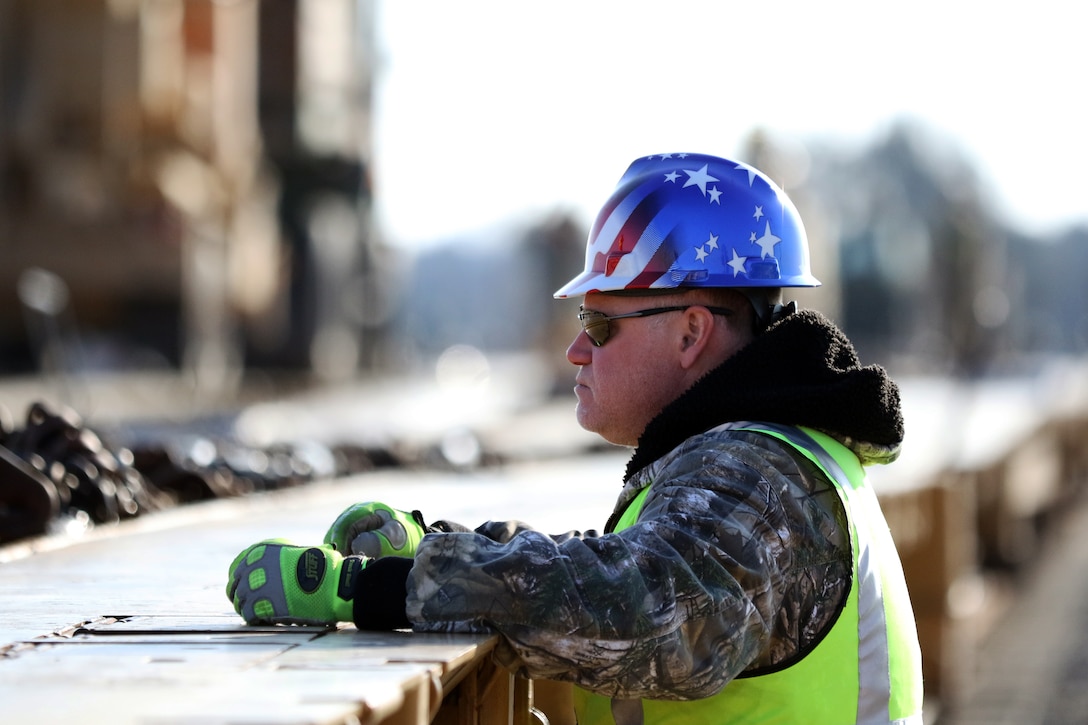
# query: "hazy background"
{"points": [[489, 109]]}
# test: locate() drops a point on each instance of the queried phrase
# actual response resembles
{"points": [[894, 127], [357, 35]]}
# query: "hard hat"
{"points": [[692, 220]]}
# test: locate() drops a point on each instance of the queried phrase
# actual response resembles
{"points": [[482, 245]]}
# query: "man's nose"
{"points": [[580, 349]]}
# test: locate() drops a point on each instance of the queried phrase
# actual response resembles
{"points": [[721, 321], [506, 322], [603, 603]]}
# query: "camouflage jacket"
{"points": [[739, 560]]}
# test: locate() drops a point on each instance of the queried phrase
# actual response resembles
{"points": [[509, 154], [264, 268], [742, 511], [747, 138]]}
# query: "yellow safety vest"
{"points": [[868, 669]]}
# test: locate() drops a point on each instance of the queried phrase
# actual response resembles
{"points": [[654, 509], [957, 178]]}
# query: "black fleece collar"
{"points": [[801, 371]]}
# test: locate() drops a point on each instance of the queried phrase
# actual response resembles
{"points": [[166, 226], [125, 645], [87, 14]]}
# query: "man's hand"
{"points": [[376, 530], [275, 582]]}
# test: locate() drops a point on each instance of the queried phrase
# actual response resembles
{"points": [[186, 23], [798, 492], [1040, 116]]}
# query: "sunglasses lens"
{"points": [[597, 331], [596, 326]]}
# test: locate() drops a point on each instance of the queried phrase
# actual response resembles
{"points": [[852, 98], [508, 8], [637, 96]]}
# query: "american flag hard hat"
{"points": [[693, 220]]}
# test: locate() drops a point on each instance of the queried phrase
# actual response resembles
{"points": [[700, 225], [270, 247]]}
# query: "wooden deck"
{"points": [[139, 669], [130, 623]]}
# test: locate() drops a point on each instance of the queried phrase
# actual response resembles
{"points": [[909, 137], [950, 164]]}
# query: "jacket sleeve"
{"points": [[501, 531], [673, 607]]}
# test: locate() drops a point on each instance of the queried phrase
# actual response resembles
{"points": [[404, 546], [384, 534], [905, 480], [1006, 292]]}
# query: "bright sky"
{"points": [[488, 109]]}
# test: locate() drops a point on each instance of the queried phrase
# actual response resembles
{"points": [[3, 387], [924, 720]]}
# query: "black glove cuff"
{"points": [[448, 527], [381, 591]]}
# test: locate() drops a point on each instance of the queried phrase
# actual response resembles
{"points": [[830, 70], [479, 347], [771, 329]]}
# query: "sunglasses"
{"points": [[595, 324]]}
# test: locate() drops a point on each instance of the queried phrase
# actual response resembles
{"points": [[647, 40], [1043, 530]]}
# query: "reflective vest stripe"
{"points": [[884, 611], [874, 678]]}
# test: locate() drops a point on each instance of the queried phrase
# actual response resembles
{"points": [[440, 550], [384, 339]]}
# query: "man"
{"points": [[747, 573]]}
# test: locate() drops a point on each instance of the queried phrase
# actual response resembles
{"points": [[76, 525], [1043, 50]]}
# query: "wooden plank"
{"points": [[174, 623], [137, 683], [183, 668], [449, 651]]}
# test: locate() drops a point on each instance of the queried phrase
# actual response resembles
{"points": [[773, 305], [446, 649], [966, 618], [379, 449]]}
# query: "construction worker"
{"points": [[747, 574]]}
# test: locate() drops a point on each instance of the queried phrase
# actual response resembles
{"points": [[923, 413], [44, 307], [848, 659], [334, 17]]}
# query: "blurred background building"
{"points": [[185, 183], [190, 185]]}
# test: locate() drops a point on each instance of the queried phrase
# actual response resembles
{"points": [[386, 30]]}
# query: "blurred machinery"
{"points": [[196, 173]]}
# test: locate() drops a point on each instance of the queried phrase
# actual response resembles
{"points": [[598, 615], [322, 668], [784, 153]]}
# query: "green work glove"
{"points": [[376, 530], [276, 582]]}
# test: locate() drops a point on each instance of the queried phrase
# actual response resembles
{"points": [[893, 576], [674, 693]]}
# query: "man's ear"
{"points": [[697, 325]]}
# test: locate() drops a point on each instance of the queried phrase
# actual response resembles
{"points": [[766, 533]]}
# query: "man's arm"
{"points": [[673, 607]]}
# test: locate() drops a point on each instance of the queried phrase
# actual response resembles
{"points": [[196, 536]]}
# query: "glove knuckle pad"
{"points": [[367, 543], [395, 532]]}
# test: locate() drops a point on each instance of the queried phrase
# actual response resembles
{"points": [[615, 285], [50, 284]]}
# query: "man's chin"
{"points": [[583, 418], [589, 423]]}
